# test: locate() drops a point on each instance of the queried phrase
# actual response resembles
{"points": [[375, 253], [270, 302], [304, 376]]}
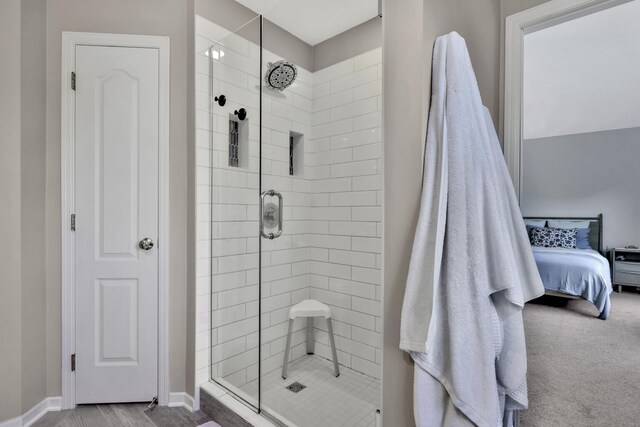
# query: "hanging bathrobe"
{"points": [[472, 268]]}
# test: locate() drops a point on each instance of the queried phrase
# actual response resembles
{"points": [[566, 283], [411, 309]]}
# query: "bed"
{"points": [[576, 273]]}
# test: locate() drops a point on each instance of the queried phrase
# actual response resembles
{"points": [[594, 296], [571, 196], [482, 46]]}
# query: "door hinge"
{"points": [[73, 80], [73, 362], [73, 222]]}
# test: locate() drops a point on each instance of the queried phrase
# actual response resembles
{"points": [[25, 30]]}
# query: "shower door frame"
{"points": [[257, 408], [259, 230]]}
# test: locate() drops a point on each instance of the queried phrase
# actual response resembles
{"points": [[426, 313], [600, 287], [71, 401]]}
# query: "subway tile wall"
{"points": [[346, 189], [331, 245]]}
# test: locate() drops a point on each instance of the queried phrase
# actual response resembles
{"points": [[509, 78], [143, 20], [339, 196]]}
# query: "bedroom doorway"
{"points": [[572, 126]]}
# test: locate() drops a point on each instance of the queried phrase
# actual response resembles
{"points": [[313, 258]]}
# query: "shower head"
{"points": [[280, 74]]}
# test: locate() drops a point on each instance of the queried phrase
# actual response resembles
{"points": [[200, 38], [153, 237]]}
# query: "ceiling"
{"points": [[314, 21]]}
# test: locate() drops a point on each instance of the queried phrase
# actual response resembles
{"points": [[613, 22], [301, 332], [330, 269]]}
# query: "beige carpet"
{"points": [[583, 371]]}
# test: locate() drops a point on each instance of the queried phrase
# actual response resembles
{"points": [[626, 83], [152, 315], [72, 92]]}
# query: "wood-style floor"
{"points": [[117, 415]]}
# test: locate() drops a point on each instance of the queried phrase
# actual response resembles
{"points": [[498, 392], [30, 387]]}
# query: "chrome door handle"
{"points": [[145, 244], [271, 193]]}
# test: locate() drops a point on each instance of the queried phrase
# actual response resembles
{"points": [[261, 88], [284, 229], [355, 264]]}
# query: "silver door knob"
{"points": [[145, 244]]}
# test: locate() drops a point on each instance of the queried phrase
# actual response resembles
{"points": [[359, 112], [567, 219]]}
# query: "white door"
{"points": [[116, 187]]}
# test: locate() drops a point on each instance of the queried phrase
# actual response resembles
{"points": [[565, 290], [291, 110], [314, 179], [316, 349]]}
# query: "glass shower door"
{"points": [[234, 69], [293, 351]]}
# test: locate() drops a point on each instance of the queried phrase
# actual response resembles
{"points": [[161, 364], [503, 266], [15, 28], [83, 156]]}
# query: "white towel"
{"points": [[472, 268]]}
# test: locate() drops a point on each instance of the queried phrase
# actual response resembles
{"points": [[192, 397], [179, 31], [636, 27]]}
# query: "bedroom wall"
{"points": [[581, 76], [583, 175], [580, 121]]}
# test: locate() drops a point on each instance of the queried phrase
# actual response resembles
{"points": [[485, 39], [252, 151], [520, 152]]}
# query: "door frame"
{"points": [[67, 153], [516, 26]]}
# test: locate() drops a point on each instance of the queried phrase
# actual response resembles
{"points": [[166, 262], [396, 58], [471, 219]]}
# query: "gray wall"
{"points": [[190, 338], [403, 111], [583, 175], [30, 317], [478, 22], [33, 169], [10, 222], [362, 38], [22, 180], [283, 43], [232, 16], [152, 17], [407, 76], [30, 308]]}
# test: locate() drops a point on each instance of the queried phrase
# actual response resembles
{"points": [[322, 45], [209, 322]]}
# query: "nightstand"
{"points": [[626, 270]]}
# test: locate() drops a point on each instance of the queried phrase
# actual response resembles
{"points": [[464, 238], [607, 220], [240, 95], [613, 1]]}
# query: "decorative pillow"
{"points": [[529, 228], [550, 237], [582, 239], [531, 223]]}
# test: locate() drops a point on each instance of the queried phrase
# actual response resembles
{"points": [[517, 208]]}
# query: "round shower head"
{"points": [[280, 74]]}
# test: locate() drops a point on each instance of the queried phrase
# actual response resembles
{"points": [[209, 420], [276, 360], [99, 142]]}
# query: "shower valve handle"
{"points": [[263, 210]]}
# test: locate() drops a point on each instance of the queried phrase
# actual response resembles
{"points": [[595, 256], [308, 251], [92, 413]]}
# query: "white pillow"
{"points": [[568, 223], [535, 222]]}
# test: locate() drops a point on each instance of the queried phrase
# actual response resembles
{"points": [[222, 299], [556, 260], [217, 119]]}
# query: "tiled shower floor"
{"points": [[349, 400]]}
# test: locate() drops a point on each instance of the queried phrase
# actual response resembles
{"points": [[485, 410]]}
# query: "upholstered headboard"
{"points": [[595, 227]]}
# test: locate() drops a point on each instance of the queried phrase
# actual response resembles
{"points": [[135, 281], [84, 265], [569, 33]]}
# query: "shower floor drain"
{"points": [[296, 387]]}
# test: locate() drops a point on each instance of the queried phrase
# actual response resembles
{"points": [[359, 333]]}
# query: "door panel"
{"points": [[118, 139], [117, 322], [116, 207]]}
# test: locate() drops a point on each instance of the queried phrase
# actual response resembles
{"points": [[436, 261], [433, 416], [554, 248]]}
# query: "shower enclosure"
{"points": [[289, 209]]}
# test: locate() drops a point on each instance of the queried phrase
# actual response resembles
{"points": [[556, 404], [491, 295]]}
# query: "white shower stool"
{"points": [[310, 308]]}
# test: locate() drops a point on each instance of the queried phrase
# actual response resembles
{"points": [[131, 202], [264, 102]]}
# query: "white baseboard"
{"points": [[50, 404], [179, 399], [196, 399], [13, 422]]}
